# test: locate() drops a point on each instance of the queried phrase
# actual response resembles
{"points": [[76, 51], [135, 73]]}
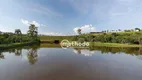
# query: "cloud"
{"points": [[43, 25], [85, 28], [35, 23], [84, 52], [27, 23]]}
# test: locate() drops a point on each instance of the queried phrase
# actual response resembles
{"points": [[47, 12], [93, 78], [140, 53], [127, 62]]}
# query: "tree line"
{"points": [[18, 37], [128, 36]]}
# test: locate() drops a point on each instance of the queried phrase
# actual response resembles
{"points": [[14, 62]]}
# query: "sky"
{"points": [[64, 17]]}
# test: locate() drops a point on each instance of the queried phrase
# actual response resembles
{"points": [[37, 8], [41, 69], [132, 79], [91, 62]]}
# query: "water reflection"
{"points": [[32, 52], [18, 52], [113, 50], [1, 56], [139, 57], [105, 50], [84, 52], [32, 55], [100, 63]]}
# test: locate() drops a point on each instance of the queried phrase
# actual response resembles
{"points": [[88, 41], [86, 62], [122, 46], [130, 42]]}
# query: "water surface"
{"points": [[44, 63]]}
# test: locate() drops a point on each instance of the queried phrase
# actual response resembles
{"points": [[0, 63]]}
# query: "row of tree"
{"points": [[133, 38], [114, 37], [119, 30], [18, 37]]}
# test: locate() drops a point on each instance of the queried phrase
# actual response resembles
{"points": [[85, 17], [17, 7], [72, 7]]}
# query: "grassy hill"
{"points": [[52, 38]]}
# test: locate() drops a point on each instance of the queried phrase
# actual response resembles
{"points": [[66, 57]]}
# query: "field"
{"points": [[52, 38]]}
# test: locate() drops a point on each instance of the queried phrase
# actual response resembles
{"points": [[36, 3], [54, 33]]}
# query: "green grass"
{"points": [[52, 38], [99, 44]]}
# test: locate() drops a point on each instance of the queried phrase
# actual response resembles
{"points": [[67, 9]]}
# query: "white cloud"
{"points": [[27, 23], [84, 52], [35, 23], [85, 29], [43, 25]]}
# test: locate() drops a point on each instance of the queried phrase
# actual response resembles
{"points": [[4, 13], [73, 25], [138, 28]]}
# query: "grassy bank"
{"points": [[100, 44], [12, 45], [52, 38]]}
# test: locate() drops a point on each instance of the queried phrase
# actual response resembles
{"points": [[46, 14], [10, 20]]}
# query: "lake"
{"points": [[54, 63]]}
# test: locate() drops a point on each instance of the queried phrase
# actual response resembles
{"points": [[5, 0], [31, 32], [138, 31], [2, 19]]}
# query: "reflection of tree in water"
{"points": [[140, 52], [127, 50], [1, 56], [139, 57], [78, 51], [32, 55], [113, 50], [18, 52], [85, 52]]}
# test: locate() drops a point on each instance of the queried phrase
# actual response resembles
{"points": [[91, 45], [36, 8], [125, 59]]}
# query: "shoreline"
{"points": [[13, 45], [92, 45]]}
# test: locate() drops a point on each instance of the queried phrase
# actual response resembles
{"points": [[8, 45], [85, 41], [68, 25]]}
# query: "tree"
{"points": [[127, 30], [32, 32], [18, 34], [5, 35], [0, 32], [119, 30], [1, 39], [18, 31], [79, 31], [137, 29]]}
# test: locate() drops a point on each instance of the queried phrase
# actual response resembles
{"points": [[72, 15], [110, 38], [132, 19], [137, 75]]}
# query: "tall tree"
{"points": [[18, 31], [79, 31], [119, 30], [32, 32], [18, 35], [137, 29]]}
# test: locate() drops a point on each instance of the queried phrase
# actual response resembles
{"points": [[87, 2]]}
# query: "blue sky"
{"points": [[64, 16]]}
